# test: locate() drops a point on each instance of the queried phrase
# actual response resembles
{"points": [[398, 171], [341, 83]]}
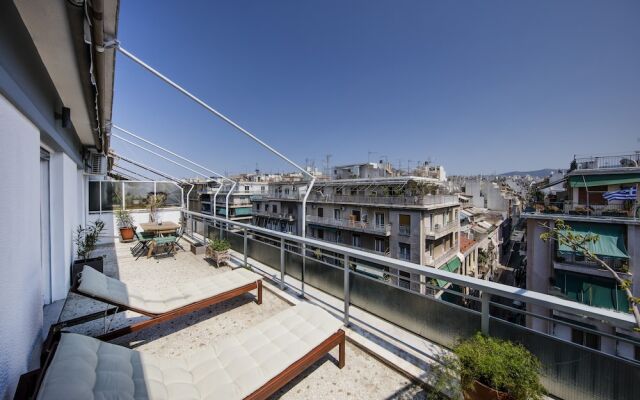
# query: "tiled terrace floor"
{"points": [[363, 377]]}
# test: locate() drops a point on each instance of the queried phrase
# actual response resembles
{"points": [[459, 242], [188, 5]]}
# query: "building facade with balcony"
{"points": [[601, 200], [396, 216]]}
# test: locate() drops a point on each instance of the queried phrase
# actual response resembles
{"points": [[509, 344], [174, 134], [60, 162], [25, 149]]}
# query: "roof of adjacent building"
{"points": [[465, 242]]}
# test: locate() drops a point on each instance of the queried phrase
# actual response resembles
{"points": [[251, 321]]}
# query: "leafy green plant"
{"points": [[219, 245], [86, 238], [124, 219], [501, 365]]}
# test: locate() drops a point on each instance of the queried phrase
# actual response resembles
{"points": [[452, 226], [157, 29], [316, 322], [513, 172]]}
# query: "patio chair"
{"points": [[142, 246], [167, 245], [252, 364], [162, 305]]}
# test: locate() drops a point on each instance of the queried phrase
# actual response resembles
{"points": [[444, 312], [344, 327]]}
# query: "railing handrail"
{"points": [[402, 200], [349, 223], [619, 319]]}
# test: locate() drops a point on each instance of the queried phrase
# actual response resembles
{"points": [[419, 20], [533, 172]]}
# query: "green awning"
{"points": [[452, 266], [610, 242], [580, 181], [242, 211], [592, 290]]}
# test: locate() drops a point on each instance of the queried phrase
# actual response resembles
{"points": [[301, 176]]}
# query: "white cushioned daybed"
{"points": [[252, 364], [170, 302]]}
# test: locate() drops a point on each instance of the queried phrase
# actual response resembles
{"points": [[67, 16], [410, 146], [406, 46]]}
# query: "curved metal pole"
{"points": [[304, 231], [209, 108], [160, 155], [227, 203], [215, 199], [170, 152]]}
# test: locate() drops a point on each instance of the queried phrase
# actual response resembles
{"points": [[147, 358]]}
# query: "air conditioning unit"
{"points": [[96, 163]]}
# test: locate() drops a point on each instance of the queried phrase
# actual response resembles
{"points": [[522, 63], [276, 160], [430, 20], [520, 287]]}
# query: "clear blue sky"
{"points": [[478, 86]]}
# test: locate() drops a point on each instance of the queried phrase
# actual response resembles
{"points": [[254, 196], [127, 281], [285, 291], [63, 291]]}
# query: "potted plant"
{"points": [[491, 368], [154, 203], [86, 240], [125, 223], [218, 251]]}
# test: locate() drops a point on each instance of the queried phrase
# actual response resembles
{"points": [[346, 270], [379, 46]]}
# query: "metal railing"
{"points": [[606, 211], [570, 370], [404, 230], [426, 200], [438, 229], [437, 260], [383, 229], [616, 161], [269, 214]]}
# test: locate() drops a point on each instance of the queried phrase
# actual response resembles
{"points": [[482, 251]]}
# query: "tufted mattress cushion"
{"points": [[97, 284], [233, 368]]}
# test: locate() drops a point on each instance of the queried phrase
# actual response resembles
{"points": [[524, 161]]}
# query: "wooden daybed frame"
{"points": [[30, 383]]}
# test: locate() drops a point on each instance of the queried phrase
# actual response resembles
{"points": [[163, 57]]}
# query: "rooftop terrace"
{"points": [[364, 377]]}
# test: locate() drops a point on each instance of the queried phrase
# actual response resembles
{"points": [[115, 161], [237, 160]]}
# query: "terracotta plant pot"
{"points": [[481, 391], [127, 233]]}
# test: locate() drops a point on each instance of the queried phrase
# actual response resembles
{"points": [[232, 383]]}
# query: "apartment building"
{"points": [[240, 208], [280, 208], [394, 216], [601, 198]]}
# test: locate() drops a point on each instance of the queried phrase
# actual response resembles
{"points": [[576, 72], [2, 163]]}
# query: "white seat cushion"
{"points": [[99, 285], [233, 368]]}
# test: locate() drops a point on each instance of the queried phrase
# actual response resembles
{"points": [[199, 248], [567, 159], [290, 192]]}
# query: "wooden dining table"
{"points": [[158, 229]]}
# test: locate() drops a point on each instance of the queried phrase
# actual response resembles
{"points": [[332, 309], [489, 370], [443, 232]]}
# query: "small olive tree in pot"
{"points": [[86, 239], [125, 223]]}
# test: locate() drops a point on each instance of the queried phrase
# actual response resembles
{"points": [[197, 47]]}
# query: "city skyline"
{"points": [[412, 82]]}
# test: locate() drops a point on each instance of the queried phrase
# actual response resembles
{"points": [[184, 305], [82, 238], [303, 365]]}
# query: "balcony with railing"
{"points": [[433, 201], [626, 211], [631, 160], [271, 214], [507, 312], [439, 230], [404, 230], [436, 261], [350, 224]]}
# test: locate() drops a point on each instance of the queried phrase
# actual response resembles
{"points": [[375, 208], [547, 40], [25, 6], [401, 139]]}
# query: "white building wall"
{"points": [[65, 217], [20, 283]]}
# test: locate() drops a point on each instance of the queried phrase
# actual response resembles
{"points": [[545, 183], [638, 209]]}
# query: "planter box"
{"points": [[95, 263], [219, 257], [198, 248]]}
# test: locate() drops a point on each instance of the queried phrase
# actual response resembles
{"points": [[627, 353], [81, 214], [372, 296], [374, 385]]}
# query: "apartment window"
{"points": [[404, 224], [339, 191], [262, 189], [379, 219], [338, 236], [290, 210], [257, 206], [337, 213], [355, 216], [356, 240], [286, 191], [354, 192], [585, 338], [405, 251], [320, 212], [320, 233], [379, 245], [246, 188], [274, 208]]}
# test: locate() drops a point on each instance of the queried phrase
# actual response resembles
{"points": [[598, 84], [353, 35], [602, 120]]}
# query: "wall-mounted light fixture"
{"points": [[64, 117]]}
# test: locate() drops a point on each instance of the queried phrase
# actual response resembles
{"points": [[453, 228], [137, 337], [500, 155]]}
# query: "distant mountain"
{"points": [[540, 173]]}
